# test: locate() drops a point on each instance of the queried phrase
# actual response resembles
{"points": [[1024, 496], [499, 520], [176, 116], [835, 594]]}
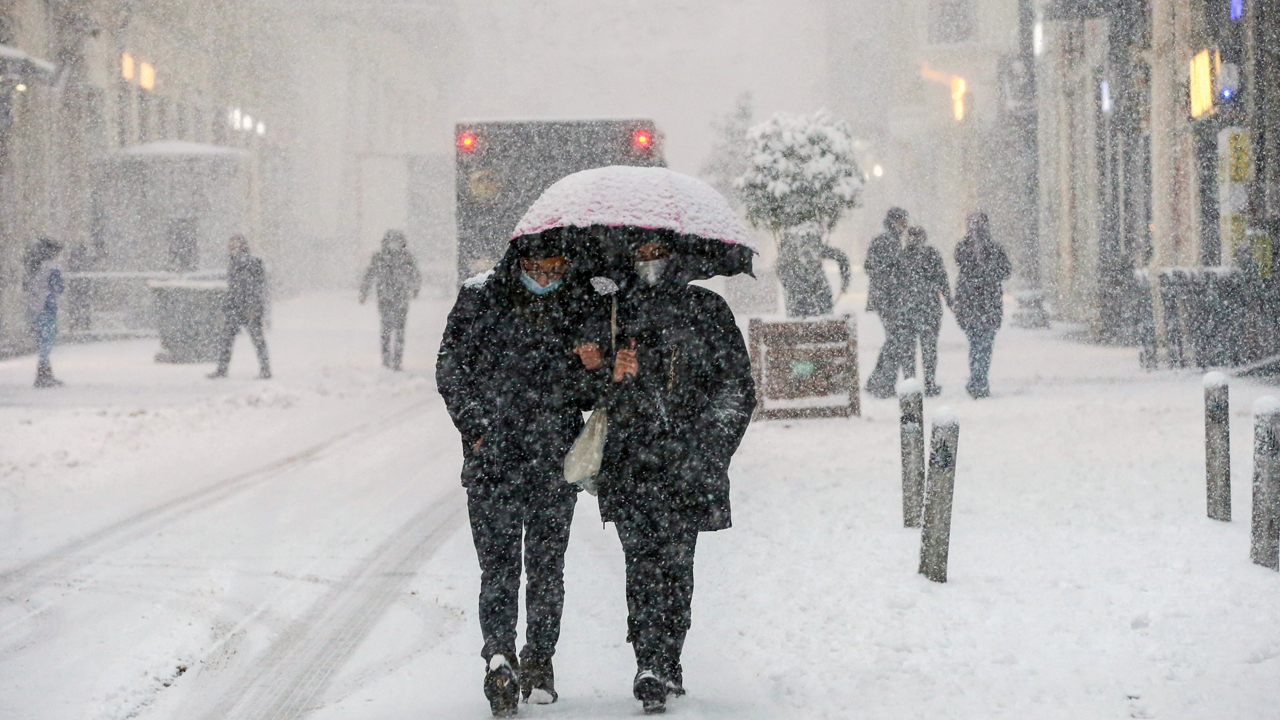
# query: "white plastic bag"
{"points": [[582, 464]]}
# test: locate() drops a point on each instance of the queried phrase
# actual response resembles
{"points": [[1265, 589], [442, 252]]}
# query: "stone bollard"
{"points": [[1217, 446], [935, 539], [911, 399], [1265, 544]]}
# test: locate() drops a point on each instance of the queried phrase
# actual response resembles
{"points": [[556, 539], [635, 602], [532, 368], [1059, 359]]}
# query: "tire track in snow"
{"points": [[288, 680], [58, 565]]}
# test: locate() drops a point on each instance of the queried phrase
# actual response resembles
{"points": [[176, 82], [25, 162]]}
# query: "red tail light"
{"points": [[642, 139], [467, 141]]}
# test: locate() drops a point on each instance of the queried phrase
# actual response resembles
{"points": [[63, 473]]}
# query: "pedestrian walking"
{"points": [[983, 267], [926, 288], [395, 275], [681, 398], [42, 283], [516, 390], [245, 306], [808, 294], [885, 298]]}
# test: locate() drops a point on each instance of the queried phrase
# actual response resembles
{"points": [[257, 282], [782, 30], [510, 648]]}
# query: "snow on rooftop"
{"points": [[622, 196], [1214, 379]]}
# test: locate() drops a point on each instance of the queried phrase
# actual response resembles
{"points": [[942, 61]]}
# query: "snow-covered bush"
{"points": [[802, 170]]}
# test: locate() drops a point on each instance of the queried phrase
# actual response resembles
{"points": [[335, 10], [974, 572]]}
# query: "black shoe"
{"points": [[48, 382], [675, 681], [978, 393], [538, 681], [502, 685], [932, 390], [881, 392], [651, 691], [264, 374], [217, 375]]}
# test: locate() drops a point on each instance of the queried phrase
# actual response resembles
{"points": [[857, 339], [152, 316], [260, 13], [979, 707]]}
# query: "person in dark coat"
{"points": [[885, 298], [245, 306], [681, 399], [395, 274], [979, 303], [42, 283], [516, 389], [926, 289], [800, 270]]}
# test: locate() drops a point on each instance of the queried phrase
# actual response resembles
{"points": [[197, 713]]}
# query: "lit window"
{"points": [[1201, 84], [126, 66], [147, 77]]}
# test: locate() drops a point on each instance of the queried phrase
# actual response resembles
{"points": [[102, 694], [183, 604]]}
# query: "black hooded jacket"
{"points": [[983, 268], [675, 426], [509, 376]]}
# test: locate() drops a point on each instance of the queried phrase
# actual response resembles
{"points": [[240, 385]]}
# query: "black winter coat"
{"points": [[508, 374], [882, 272], [983, 267], [674, 428], [395, 274], [246, 286], [924, 284]]}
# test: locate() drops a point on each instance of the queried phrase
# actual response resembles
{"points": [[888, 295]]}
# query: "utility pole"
{"points": [[1024, 114]]}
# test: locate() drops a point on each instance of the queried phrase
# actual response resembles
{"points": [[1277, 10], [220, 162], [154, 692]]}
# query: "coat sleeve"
{"points": [[456, 368], [938, 274], [846, 272], [733, 394], [1003, 269], [366, 284]]}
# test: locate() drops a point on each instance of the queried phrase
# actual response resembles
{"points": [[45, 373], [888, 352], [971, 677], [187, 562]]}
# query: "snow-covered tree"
{"points": [[801, 170], [731, 155]]}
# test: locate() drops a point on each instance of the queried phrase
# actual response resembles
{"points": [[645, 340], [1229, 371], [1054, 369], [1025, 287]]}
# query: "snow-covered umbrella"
{"points": [[614, 209]]}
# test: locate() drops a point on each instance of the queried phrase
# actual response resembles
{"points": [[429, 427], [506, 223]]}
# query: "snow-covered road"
{"points": [[172, 547]]}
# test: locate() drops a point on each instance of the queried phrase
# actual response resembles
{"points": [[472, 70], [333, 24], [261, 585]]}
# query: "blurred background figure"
{"points": [[395, 273], [245, 306], [42, 283], [884, 297], [924, 290], [800, 270], [983, 267]]}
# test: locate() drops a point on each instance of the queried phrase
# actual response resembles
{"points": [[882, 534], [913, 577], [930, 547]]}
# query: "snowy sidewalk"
{"points": [[1085, 580]]}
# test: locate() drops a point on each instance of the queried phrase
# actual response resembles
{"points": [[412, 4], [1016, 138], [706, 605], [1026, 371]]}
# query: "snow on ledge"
{"points": [[945, 416], [910, 386], [1213, 380], [1266, 406]]}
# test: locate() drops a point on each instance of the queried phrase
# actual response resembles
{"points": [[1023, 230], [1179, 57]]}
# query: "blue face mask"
{"points": [[537, 289]]}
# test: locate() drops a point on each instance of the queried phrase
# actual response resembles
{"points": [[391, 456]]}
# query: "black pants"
{"points": [[926, 333], [981, 342], [897, 353], [393, 321], [252, 323], [502, 514], [659, 550]]}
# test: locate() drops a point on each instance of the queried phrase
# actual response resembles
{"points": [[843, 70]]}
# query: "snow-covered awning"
{"points": [[18, 63]]}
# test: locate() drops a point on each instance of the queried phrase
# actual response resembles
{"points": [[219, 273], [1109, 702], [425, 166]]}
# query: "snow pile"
{"points": [[650, 198], [1266, 406], [1214, 380], [945, 416], [910, 386], [802, 170]]}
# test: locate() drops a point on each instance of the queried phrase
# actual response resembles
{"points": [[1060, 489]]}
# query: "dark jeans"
{"points": [[659, 550], [501, 513], [981, 341], [393, 321], [926, 333], [896, 354], [252, 323]]}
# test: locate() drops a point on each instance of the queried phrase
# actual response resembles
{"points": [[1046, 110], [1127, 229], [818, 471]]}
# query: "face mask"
{"points": [[651, 271], [537, 289]]}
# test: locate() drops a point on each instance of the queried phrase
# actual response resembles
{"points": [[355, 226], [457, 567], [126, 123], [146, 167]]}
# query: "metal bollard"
{"points": [[1217, 446], [911, 399], [935, 539], [1265, 541]]}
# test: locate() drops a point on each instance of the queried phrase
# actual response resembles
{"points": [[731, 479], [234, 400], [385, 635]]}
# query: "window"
{"points": [[951, 21]]}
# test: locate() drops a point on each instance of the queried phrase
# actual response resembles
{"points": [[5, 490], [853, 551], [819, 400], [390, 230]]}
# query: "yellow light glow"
{"points": [[126, 66], [959, 88], [147, 78], [1201, 84]]}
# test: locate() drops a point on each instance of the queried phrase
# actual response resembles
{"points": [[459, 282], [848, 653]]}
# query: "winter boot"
{"points": [[675, 681], [45, 378], [538, 681], [502, 685], [218, 374], [932, 389], [651, 691]]}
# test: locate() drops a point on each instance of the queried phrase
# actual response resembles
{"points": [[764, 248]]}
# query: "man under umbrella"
{"points": [[244, 307], [395, 274], [681, 399], [516, 391]]}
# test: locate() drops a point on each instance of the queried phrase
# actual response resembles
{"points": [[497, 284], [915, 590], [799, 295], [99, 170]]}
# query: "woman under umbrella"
{"points": [[681, 394]]}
